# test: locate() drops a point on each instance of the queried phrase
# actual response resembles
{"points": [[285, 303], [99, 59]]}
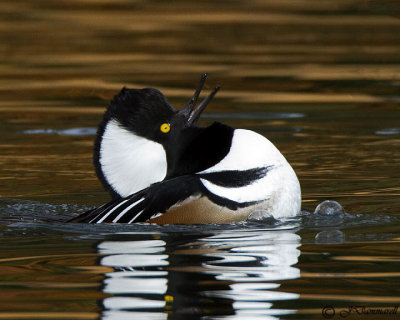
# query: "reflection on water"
{"points": [[176, 272], [236, 274], [67, 132]]}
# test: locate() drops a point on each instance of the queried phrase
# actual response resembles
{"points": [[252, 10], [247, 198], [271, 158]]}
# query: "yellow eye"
{"points": [[165, 128]]}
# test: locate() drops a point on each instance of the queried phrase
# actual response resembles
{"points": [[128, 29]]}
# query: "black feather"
{"points": [[161, 196], [235, 178]]}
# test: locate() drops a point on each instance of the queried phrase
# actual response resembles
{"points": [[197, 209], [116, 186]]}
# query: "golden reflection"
{"points": [[236, 95], [350, 298], [160, 18], [327, 72], [46, 257], [49, 315], [349, 274], [369, 258], [20, 106], [49, 285]]}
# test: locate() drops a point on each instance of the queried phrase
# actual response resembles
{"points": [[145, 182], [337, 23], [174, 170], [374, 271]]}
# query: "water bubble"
{"points": [[329, 237], [329, 208]]}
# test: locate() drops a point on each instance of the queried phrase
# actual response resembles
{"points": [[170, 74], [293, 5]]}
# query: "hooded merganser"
{"points": [[160, 167]]}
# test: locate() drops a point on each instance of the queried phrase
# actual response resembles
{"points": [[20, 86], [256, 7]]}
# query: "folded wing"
{"points": [[160, 197]]}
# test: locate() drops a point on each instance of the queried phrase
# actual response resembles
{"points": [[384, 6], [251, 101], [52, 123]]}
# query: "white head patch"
{"points": [[129, 162]]}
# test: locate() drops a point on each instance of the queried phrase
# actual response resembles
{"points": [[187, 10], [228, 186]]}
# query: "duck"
{"points": [[160, 167]]}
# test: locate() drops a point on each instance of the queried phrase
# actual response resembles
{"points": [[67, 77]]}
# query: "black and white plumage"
{"points": [[160, 167]]}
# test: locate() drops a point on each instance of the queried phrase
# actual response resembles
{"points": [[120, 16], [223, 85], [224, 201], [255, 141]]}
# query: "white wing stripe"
{"points": [[130, 221], [127, 209], [109, 212], [256, 191]]}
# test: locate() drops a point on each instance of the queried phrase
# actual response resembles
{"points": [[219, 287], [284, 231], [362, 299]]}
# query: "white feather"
{"points": [[127, 209], [129, 162], [109, 212], [280, 187]]}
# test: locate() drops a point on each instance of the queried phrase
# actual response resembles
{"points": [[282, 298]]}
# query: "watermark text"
{"points": [[330, 312]]}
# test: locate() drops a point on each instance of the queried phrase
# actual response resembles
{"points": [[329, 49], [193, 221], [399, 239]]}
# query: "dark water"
{"points": [[320, 79]]}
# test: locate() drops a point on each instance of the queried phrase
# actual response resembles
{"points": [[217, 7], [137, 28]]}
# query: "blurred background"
{"points": [[319, 78]]}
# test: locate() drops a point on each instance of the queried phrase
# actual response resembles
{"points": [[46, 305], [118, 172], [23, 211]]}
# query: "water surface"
{"points": [[320, 80]]}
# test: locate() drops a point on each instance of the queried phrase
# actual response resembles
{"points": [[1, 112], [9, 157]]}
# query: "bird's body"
{"points": [[161, 168]]}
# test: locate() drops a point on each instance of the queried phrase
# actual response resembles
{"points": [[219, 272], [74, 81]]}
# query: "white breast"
{"points": [[129, 162], [280, 188]]}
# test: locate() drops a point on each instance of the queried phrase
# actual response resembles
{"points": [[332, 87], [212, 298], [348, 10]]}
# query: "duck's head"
{"points": [[142, 139]]}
